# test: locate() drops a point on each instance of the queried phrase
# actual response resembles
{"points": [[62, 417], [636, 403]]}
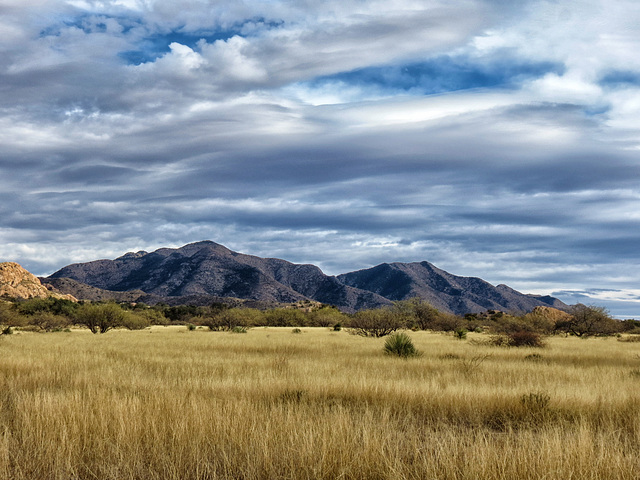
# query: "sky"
{"points": [[493, 138]]}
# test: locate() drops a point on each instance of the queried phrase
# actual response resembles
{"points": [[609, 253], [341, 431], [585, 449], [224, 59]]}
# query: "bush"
{"points": [[460, 333], [400, 344], [285, 317], [337, 327], [49, 322], [239, 329], [376, 323], [225, 320], [296, 330], [522, 338], [100, 317], [589, 321], [525, 338], [135, 321]]}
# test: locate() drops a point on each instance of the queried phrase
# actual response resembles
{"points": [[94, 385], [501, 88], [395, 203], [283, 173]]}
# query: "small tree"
{"points": [[588, 321], [376, 323], [100, 317]]}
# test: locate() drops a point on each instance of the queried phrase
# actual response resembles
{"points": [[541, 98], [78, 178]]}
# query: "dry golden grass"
{"points": [[172, 404]]}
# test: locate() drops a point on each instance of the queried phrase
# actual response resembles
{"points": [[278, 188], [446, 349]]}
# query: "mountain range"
{"points": [[203, 271]]}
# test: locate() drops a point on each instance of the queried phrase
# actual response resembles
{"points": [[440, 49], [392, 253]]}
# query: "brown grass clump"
{"points": [[167, 404]]}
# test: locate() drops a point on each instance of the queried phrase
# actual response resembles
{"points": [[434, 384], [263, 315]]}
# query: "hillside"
{"points": [[459, 295], [207, 268]]}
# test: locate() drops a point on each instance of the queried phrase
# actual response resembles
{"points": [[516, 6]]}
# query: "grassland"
{"points": [[168, 403]]}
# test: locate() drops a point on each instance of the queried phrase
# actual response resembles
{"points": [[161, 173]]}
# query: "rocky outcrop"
{"points": [[16, 282]]}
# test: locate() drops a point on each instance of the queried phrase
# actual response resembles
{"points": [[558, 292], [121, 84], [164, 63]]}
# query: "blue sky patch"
{"points": [[445, 74]]}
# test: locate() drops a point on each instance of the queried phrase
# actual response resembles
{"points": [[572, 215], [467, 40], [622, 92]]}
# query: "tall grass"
{"points": [[164, 404]]}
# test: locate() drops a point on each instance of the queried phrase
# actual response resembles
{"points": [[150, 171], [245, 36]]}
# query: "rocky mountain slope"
{"points": [[447, 292], [207, 268], [16, 282]]}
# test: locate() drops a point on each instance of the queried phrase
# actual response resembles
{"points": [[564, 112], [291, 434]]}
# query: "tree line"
{"points": [[53, 314]]}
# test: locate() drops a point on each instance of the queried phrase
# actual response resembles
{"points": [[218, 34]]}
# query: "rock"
{"points": [[16, 282]]}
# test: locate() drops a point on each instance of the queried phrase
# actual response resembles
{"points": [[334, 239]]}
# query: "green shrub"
{"points": [[460, 333], [337, 327], [400, 344], [191, 327], [296, 330], [239, 329]]}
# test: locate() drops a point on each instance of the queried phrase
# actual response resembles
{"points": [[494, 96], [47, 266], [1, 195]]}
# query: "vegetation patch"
{"points": [[400, 344]]}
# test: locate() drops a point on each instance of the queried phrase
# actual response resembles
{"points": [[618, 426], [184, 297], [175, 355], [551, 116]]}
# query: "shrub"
{"points": [[296, 330], [191, 327], [285, 317], [337, 327], [588, 321], [135, 321], [376, 323], [100, 317], [460, 333], [48, 321], [524, 338], [400, 344], [7, 331], [239, 329]]}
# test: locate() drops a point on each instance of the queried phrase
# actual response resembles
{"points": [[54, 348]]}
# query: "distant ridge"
{"points": [[207, 269], [459, 295]]}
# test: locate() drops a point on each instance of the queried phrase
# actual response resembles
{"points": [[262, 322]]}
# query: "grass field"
{"points": [[168, 403]]}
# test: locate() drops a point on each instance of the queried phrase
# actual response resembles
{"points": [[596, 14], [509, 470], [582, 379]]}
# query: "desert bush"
{"points": [[526, 338], [337, 327], [225, 320], [296, 330], [400, 344], [523, 338], [239, 329], [417, 313], [589, 321], [100, 317], [134, 320], [48, 321], [460, 333], [325, 317], [285, 317], [9, 315], [375, 323]]}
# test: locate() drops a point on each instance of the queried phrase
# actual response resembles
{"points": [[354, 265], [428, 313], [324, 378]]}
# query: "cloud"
{"points": [[494, 139]]}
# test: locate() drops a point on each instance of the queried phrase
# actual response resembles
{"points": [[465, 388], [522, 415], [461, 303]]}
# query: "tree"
{"points": [[588, 320], [376, 323], [100, 317]]}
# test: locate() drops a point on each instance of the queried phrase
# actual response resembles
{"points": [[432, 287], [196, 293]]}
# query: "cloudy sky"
{"points": [[493, 138]]}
